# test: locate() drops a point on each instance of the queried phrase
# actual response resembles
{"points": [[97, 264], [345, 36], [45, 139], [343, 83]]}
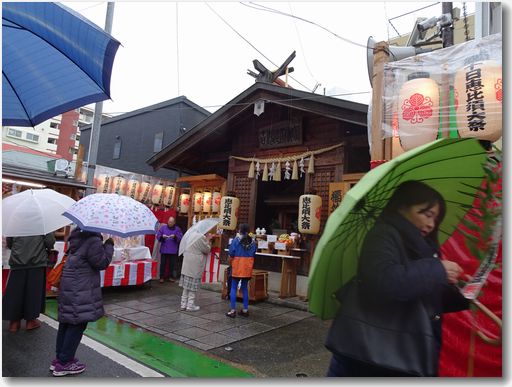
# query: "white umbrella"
{"points": [[34, 212], [195, 232], [112, 214]]}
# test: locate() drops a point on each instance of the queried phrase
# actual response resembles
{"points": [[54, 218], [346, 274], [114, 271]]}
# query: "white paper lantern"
{"points": [[103, 183], [198, 201], [216, 197], [169, 195], [207, 201], [157, 194], [133, 188], [184, 203], [418, 111], [229, 206], [478, 95], [119, 185], [310, 212], [144, 192]]}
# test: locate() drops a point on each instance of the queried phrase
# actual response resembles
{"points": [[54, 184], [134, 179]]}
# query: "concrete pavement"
{"points": [[278, 339]]}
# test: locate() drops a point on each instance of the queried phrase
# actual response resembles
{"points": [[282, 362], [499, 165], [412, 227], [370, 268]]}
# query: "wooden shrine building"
{"points": [[269, 128]]}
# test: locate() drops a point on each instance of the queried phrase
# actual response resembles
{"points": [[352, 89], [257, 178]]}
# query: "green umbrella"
{"points": [[451, 166]]}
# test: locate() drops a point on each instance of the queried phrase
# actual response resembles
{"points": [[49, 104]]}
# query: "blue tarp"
{"points": [[53, 60]]}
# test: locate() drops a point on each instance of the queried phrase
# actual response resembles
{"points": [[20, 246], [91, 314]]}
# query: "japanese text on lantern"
{"points": [[475, 106], [226, 215], [306, 213]]}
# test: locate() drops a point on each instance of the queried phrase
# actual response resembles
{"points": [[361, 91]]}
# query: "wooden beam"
{"points": [[380, 57]]}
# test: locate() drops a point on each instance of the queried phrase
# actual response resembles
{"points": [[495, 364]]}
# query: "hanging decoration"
{"points": [[229, 212], [479, 93], [277, 172], [271, 171], [119, 185], [144, 191], [157, 193], [259, 107], [418, 118], [287, 169], [103, 183], [275, 165], [169, 195], [311, 166], [133, 188], [198, 201], [216, 196], [251, 171], [207, 201], [301, 166], [265, 173], [310, 211], [295, 171], [184, 203]]}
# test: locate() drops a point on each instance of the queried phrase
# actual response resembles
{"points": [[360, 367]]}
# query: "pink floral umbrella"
{"points": [[112, 214]]}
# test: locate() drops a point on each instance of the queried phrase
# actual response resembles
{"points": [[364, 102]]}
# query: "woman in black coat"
{"points": [[389, 322], [79, 299]]}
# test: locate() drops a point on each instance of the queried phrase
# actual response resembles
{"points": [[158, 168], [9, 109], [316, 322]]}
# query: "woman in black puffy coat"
{"points": [[80, 298]]}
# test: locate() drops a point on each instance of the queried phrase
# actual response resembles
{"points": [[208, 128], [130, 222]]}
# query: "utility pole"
{"points": [[98, 112], [446, 87], [447, 28]]}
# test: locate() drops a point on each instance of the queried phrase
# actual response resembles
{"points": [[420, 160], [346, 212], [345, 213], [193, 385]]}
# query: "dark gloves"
{"points": [[109, 241]]}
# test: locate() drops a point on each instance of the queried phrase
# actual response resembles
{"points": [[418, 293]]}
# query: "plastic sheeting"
{"points": [[465, 103]]}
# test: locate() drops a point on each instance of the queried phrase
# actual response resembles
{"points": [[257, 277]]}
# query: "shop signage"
{"points": [[281, 134]]}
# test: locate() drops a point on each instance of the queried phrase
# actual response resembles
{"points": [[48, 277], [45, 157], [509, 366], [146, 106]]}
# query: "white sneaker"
{"points": [[183, 307], [193, 308]]}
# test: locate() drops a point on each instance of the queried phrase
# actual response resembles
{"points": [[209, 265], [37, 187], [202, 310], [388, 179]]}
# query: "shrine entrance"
{"points": [[277, 206]]}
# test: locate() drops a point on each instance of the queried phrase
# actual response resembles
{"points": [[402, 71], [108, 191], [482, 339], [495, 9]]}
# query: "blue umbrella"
{"points": [[53, 60]]}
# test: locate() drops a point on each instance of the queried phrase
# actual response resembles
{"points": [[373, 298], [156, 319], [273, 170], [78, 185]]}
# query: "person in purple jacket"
{"points": [[169, 236]]}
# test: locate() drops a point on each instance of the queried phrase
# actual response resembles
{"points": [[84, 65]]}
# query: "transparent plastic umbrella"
{"points": [[195, 232], [34, 212]]}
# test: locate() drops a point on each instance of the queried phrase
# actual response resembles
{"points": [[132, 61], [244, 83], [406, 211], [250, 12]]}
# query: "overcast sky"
{"points": [[203, 49]]}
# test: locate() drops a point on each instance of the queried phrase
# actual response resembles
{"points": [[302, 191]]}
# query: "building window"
{"points": [[54, 125], [52, 140], [14, 133], [158, 143], [117, 149], [32, 137], [72, 136], [72, 151], [75, 123]]}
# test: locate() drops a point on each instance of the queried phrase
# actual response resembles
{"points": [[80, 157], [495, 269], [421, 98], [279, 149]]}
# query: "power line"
{"points": [[301, 45], [252, 45], [272, 10]]}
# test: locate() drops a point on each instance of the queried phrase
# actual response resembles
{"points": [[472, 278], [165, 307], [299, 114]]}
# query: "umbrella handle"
{"points": [[486, 311]]}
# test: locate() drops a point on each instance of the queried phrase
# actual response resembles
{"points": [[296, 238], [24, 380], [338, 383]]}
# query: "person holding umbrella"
{"points": [[241, 258], [389, 321], [79, 299], [25, 291], [169, 236], [194, 260]]}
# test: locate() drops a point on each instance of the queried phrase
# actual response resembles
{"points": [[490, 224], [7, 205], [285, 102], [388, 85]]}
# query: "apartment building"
{"points": [[59, 135]]}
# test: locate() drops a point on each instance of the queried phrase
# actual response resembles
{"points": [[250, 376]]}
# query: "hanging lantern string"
{"points": [[286, 158]]}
